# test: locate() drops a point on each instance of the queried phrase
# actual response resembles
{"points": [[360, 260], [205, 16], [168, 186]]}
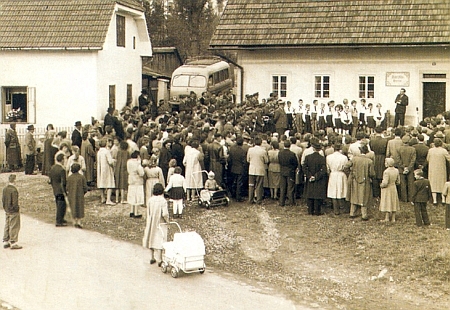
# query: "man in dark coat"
{"points": [[30, 150], [406, 159], [237, 165], [378, 145], [421, 154], [13, 153], [288, 165], [57, 177], [143, 100], [421, 196], [280, 119], [177, 151], [315, 168], [76, 135], [402, 102], [165, 156], [113, 121], [216, 158]]}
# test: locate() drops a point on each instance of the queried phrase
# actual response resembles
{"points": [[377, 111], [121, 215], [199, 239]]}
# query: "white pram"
{"points": [[185, 253]]}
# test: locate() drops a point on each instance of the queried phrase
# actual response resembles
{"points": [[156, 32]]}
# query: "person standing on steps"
{"points": [[401, 102]]}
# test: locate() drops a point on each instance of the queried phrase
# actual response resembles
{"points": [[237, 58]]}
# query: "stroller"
{"points": [[185, 253], [209, 198]]}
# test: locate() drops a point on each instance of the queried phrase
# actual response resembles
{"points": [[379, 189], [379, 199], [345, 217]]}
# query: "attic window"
{"points": [[120, 30]]}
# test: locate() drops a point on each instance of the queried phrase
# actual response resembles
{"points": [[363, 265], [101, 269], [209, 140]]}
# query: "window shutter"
{"points": [[31, 106]]}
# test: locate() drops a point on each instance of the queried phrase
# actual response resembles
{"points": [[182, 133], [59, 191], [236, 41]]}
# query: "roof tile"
{"points": [[56, 23], [332, 22]]}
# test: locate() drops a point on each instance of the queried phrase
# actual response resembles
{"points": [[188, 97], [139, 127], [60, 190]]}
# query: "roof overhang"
{"points": [[62, 48], [314, 46]]}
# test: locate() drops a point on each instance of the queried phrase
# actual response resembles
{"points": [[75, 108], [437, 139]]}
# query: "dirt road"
{"points": [[66, 268]]}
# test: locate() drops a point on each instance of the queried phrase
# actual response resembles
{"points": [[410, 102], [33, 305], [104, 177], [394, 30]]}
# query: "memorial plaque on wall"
{"points": [[397, 79]]}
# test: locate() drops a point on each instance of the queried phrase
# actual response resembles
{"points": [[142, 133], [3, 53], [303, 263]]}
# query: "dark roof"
{"points": [[163, 62], [56, 23], [265, 23]]}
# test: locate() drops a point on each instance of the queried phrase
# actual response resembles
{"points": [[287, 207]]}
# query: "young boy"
{"points": [[12, 217], [421, 195]]}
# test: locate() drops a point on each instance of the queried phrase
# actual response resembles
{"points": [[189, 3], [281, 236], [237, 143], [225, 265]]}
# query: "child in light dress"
{"points": [[176, 188]]}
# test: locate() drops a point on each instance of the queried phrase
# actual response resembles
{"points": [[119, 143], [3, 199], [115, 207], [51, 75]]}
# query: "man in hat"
{"points": [[13, 153], [76, 135], [315, 169], [143, 100], [30, 150], [406, 158], [401, 102]]}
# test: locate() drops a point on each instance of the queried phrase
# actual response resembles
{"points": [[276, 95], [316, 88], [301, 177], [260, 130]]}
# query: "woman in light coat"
{"points": [[155, 233], [193, 172], [135, 195], [437, 168], [389, 202], [274, 170], [337, 180], [105, 172]]}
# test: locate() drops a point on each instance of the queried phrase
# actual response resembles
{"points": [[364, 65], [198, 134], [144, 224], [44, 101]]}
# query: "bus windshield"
{"points": [[188, 81]]}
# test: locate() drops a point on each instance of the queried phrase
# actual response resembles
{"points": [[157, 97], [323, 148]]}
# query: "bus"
{"points": [[209, 74]]}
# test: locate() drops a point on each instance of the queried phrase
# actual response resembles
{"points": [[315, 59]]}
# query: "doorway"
{"points": [[433, 98]]}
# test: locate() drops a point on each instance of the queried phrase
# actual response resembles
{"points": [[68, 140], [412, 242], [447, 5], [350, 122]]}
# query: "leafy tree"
{"points": [[187, 24]]}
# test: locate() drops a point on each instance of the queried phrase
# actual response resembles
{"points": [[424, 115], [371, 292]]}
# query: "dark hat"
{"points": [[77, 123], [316, 145], [30, 127]]}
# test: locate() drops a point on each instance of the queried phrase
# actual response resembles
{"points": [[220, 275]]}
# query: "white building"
{"points": [[65, 60], [335, 50]]}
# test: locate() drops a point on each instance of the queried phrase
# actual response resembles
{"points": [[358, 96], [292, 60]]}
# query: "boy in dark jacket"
{"points": [[421, 195], [10, 202]]}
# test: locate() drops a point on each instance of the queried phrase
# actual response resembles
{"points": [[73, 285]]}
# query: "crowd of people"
{"points": [[346, 154]]}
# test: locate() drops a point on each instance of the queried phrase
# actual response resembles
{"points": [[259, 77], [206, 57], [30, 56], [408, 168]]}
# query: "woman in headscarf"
{"points": [[191, 160], [389, 202]]}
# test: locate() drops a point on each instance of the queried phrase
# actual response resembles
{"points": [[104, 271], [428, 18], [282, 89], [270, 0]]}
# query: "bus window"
{"points": [[216, 77], [180, 81], [210, 81], [197, 81]]}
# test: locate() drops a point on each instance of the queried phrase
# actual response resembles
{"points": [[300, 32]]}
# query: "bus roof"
{"points": [[196, 69]]}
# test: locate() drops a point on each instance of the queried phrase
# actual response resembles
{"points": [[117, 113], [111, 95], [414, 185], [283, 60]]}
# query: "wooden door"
{"points": [[433, 98]]}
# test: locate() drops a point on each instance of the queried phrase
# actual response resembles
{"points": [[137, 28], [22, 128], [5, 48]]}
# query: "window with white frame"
{"points": [[322, 86], [366, 86], [279, 85], [18, 104]]}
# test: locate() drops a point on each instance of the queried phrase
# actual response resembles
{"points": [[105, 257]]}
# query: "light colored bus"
{"points": [[200, 75]]}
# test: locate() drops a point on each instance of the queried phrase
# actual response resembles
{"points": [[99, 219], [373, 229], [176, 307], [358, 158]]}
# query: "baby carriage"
{"points": [[212, 198], [185, 253], [208, 198]]}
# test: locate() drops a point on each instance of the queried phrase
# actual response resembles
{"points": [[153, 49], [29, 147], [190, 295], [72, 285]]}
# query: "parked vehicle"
{"points": [[200, 75]]}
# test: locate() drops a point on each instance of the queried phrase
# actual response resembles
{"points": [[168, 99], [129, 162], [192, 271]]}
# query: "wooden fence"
{"points": [[21, 131]]}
